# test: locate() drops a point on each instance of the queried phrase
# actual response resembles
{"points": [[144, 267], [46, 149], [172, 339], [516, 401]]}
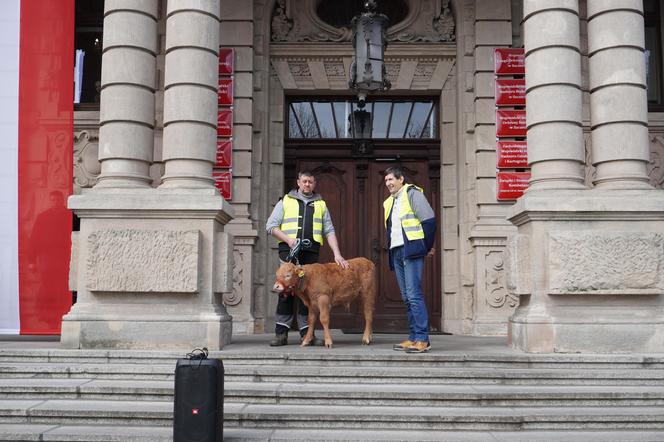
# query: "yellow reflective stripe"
{"points": [[317, 229], [290, 224], [409, 222]]}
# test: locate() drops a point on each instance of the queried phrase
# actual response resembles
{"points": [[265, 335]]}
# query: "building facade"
{"points": [[576, 264]]}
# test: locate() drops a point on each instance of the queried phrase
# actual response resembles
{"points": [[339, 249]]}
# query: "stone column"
{"points": [[553, 94], [152, 266], [127, 107], [618, 100], [190, 97], [587, 263]]}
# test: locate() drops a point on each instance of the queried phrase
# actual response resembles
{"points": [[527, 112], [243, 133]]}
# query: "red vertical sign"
{"points": [[224, 182], [226, 61], [509, 61], [45, 162], [511, 185], [224, 154]]}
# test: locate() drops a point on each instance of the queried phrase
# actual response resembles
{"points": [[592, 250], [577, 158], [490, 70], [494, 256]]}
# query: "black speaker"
{"points": [[199, 399]]}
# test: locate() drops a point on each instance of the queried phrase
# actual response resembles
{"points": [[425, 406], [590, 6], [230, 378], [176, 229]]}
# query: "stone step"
{"points": [[73, 433], [319, 356], [159, 414], [444, 418], [357, 374], [343, 394]]}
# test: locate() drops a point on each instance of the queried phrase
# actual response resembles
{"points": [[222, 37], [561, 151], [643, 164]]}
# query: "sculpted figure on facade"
{"points": [[444, 23], [281, 25]]}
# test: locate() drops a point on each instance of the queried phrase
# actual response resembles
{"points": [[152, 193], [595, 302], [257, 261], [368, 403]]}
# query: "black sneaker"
{"points": [[279, 340]]}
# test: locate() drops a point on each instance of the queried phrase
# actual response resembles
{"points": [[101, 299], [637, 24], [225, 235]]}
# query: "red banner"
{"points": [[225, 91], [226, 61], [45, 150], [225, 123], [509, 61], [510, 123], [510, 92], [511, 185], [224, 182], [511, 154], [224, 154]]}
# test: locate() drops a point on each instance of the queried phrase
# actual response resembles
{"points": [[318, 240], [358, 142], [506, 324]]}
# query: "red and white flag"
{"points": [[36, 161]]}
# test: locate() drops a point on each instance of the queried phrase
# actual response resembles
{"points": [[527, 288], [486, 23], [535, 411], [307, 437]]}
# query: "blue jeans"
{"points": [[409, 277]]}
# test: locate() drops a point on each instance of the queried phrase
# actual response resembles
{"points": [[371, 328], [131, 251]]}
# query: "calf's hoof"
{"points": [[315, 342]]}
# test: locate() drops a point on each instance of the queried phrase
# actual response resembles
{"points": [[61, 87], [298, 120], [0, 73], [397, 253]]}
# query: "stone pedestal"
{"points": [[588, 266], [150, 267]]}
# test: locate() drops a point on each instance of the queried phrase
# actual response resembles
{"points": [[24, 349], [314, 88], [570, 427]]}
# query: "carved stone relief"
{"points": [[240, 258], [607, 262], [429, 21], [131, 260], [86, 163], [494, 279], [656, 165]]}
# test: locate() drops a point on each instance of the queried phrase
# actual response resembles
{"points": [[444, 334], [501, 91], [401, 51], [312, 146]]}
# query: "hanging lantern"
{"points": [[367, 72]]}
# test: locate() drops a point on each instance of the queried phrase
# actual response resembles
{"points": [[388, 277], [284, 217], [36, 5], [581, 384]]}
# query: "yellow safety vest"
{"points": [[409, 222], [292, 222]]}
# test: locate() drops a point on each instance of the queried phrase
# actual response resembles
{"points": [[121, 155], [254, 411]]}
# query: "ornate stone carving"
{"points": [[424, 71], [392, 71], [494, 280], [235, 297], [281, 25], [86, 162], [333, 69], [58, 158], [607, 262], [444, 23], [430, 21], [656, 165], [300, 70], [131, 260]]}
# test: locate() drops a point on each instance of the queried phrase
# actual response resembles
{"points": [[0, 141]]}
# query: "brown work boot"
{"points": [[279, 340], [404, 345], [419, 347]]}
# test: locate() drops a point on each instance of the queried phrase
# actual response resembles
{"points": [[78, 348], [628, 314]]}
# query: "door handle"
{"points": [[375, 250]]}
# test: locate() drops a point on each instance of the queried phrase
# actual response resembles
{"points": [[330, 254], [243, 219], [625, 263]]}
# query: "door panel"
{"points": [[354, 191]]}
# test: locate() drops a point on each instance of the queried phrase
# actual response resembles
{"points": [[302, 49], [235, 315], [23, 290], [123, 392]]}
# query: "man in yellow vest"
{"points": [[411, 229], [300, 221]]}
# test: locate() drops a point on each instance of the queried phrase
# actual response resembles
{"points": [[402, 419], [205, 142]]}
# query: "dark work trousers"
{"points": [[287, 304]]}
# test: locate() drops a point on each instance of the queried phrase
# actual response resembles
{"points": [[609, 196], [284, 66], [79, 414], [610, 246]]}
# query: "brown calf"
{"points": [[321, 286]]}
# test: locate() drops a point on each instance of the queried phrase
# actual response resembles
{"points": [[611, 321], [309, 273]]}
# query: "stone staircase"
{"points": [[347, 393]]}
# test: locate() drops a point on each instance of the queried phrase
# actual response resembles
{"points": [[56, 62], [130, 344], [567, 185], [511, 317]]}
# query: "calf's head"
{"points": [[288, 276]]}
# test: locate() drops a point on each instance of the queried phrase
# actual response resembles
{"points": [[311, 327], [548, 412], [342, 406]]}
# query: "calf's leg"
{"points": [[311, 322], [324, 309], [368, 300]]}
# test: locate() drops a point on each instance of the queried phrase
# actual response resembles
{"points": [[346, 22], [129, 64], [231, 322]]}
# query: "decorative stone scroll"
{"points": [[86, 163], [606, 263], [132, 260]]}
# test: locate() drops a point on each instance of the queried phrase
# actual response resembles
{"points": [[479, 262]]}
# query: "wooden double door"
{"points": [[354, 191]]}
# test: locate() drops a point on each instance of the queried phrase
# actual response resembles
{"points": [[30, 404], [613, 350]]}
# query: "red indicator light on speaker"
{"points": [[194, 411]]}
